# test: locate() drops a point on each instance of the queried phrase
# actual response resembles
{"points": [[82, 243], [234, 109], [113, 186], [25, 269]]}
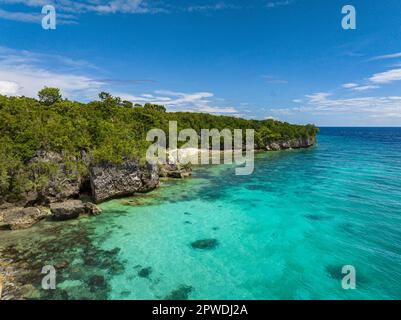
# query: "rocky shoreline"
{"points": [[69, 194], [301, 143]]}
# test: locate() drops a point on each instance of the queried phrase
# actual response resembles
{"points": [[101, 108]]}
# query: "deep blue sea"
{"points": [[284, 232]]}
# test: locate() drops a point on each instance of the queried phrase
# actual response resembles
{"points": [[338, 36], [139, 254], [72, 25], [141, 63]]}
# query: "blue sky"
{"points": [[286, 59]]}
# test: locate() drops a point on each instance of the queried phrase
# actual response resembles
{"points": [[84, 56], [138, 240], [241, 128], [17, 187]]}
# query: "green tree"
{"points": [[108, 99], [49, 96], [127, 104]]}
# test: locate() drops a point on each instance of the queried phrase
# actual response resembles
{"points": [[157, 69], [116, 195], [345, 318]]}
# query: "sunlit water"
{"points": [[284, 232]]}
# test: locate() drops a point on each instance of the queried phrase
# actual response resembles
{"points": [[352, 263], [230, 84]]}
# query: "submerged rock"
{"points": [[21, 218], [92, 209], [207, 244], [335, 272], [67, 210], [62, 265], [182, 293], [72, 209], [111, 181], [176, 171], [96, 283], [145, 272]]}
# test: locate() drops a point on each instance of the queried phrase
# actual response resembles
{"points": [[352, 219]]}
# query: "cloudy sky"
{"points": [[286, 59]]}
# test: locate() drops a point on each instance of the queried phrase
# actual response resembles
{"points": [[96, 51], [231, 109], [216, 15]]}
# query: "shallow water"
{"points": [[284, 232]]}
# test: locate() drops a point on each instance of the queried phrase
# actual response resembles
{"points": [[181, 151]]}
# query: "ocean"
{"points": [[284, 232]]}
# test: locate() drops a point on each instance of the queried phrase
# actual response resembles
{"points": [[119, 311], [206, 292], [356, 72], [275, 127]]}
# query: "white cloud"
{"points": [[212, 7], [117, 6], [25, 73], [100, 6], [180, 101], [68, 10], [365, 88], [20, 16], [386, 77], [359, 88], [350, 85], [324, 108], [275, 4], [387, 56], [386, 106], [209, 109], [8, 88], [29, 80]]}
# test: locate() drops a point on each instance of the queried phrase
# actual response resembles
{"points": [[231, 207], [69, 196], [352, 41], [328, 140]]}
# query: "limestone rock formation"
{"points": [[72, 209], [177, 171], [111, 181], [291, 144], [21, 218]]}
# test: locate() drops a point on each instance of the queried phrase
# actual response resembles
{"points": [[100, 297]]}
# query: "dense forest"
{"points": [[109, 130]]}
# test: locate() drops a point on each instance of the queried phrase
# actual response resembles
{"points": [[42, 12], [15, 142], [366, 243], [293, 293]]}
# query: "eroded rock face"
{"points": [[291, 144], [55, 177], [66, 181], [21, 218], [111, 181], [72, 209], [92, 209], [67, 210]]}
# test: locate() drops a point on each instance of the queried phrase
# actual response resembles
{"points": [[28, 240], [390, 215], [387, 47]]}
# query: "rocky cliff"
{"points": [[299, 143], [57, 182], [110, 181]]}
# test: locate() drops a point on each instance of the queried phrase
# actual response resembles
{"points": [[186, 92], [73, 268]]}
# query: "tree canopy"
{"points": [[49, 96]]}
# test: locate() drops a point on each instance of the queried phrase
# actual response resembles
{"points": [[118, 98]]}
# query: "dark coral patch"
{"points": [[181, 293], [145, 272], [97, 283], [125, 293], [335, 272], [206, 244]]}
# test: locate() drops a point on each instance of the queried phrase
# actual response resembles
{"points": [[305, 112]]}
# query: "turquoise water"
{"points": [[284, 232]]}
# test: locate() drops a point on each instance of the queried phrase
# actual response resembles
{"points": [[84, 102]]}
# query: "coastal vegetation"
{"points": [[109, 130]]}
